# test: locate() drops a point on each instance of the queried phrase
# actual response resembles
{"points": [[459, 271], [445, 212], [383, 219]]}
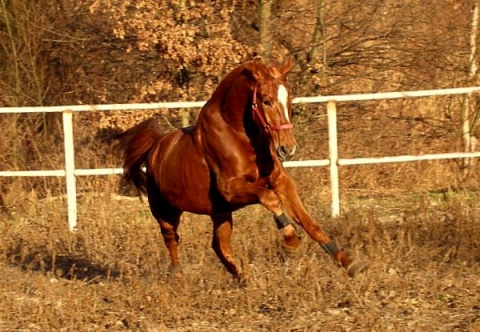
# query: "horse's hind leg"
{"points": [[168, 219], [168, 227], [222, 232]]}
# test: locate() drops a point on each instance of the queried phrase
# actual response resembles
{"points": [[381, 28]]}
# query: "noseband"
{"points": [[267, 127]]}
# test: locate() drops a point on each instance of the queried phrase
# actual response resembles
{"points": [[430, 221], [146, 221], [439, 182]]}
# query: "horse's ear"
{"points": [[286, 67]]}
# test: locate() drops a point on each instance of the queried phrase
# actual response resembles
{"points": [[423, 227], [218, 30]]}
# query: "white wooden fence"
{"points": [[70, 172]]}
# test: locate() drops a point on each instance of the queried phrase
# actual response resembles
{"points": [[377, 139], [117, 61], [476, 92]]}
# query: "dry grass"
{"points": [[424, 255]]}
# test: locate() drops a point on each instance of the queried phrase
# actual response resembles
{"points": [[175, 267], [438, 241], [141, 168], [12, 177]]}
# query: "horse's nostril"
{"points": [[284, 152]]}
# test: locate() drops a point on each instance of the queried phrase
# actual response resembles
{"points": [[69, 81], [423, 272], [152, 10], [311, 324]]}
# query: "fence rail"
{"points": [[70, 173]]}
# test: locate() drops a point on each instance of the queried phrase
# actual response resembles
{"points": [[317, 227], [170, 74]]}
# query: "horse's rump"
{"points": [[167, 165]]}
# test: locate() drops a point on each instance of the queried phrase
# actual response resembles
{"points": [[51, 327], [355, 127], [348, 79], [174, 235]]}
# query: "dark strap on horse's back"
{"points": [[282, 221]]}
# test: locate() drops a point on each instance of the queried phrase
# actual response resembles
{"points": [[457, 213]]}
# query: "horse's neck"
{"points": [[233, 115], [226, 108], [221, 127], [234, 104]]}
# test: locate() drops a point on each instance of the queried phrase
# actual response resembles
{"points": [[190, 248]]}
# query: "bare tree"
{"points": [[467, 126], [265, 22]]}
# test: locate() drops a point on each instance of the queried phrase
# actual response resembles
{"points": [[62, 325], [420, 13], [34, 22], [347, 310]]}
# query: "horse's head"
{"points": [[272, 106]]}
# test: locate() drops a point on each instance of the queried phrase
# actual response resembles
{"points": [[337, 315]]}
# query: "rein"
{"points": [[266, 126]]}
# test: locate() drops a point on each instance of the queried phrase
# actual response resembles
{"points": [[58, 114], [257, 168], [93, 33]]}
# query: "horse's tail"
{"points": [[135, 144]]}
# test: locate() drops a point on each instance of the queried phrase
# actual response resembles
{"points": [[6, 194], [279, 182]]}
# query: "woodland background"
{"points": [[90, 52]]}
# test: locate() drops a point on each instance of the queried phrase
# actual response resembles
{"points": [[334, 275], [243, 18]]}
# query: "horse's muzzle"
{"points": [[286, 153]]}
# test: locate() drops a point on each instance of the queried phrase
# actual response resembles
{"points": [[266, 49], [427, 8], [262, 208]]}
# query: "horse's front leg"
{"points": [[286, 190], [240, 191], [272, 202]]}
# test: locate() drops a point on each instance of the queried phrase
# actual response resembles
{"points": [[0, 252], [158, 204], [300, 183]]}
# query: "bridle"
{"points": [[267, 127]]}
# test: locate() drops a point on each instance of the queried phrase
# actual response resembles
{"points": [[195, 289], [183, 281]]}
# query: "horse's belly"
{"points": [[189, 190], [183, 180]]}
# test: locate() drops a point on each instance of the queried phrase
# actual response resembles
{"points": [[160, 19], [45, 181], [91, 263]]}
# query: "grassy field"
{"points": [[110, 275]]}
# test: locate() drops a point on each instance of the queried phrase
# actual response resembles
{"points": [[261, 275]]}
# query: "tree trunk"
{"points": [[265, 35], [465, 112], [318, 39], [317, 60]]}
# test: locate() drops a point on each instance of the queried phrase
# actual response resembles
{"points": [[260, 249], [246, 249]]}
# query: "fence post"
{"points": [[333, 156], [70, 169]]}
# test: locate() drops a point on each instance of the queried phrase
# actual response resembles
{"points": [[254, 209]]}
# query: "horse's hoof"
{"points": [[290, 245], [291, 241], [356, 267], [241, 281], [175, 273]]}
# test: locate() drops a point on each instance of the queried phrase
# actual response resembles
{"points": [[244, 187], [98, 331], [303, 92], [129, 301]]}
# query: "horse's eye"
{"points": [[267, 102]]}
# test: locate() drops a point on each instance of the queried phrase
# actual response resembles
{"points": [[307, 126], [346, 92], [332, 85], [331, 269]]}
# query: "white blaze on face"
{"points": [[282, 96]]}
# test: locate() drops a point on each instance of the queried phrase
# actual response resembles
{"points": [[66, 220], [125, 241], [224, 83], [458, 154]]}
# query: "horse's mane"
{"points": [[256, 70], [227, 82]]}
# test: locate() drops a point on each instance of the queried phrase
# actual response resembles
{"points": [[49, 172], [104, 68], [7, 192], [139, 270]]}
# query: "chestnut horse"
{"points": [[230, 159]]}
